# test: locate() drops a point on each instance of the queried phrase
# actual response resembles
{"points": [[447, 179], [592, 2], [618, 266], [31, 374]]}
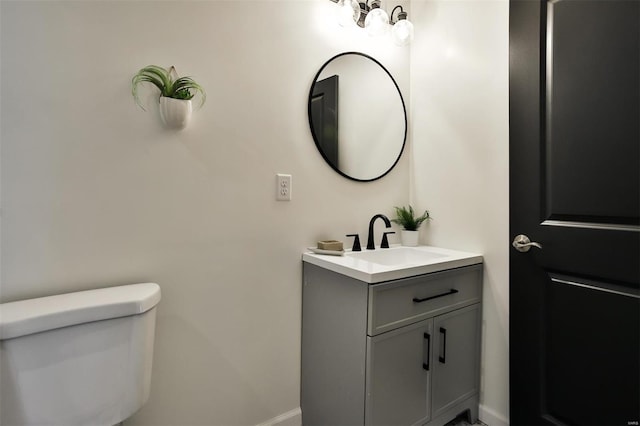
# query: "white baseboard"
{"points": [[491, 418], [290, 418]]}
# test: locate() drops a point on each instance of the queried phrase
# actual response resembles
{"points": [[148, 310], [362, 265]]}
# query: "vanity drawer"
{"points": [[402, 302]]}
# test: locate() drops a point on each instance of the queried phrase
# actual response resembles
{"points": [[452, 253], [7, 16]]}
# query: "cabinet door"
{"points": [[456, 357], [399, 365]]}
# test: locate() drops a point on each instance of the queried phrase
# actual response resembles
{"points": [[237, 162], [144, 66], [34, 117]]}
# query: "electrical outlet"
{"points": [[283, 187]]}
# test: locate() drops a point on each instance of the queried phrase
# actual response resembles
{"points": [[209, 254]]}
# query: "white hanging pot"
{"points": [[175, 113], [409, 238]]}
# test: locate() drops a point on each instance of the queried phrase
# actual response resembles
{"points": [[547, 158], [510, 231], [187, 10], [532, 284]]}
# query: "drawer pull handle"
{"points": [[452, 291], [426, 349], [443, 346]]}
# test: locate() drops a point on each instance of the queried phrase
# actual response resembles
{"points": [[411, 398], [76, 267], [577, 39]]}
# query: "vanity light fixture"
{"points": [[375, 19], [402, 30], [348, 12]]}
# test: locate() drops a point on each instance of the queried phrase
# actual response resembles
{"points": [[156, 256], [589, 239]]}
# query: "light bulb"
{"points": [[402, 32], [377, 22], [348, 12]]}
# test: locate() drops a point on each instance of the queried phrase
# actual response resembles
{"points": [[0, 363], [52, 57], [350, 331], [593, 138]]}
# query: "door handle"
{"points": [[443, 346], [426, 351], [523, 244]]}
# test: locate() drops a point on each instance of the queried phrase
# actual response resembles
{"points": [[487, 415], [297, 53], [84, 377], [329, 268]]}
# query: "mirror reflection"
{"points": [[357, 116]]}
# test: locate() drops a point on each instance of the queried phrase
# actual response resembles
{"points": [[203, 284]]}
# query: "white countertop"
{"points": [[374, 266]]}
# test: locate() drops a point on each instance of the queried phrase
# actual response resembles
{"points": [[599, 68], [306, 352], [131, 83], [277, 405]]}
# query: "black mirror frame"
{"points": [[315, 139]]}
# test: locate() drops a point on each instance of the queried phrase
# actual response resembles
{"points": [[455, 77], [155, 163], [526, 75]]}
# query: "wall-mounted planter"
{"points": [[175, 113], [175, 94]]}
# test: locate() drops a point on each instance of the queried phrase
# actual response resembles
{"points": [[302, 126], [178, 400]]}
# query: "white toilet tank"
{"points": [[77, 359]]}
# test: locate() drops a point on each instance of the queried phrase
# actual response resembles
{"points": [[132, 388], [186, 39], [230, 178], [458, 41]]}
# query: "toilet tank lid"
{"points": [[47, 313]]}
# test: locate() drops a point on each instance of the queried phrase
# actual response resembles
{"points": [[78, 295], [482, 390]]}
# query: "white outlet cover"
{"points": [[283, 187]]}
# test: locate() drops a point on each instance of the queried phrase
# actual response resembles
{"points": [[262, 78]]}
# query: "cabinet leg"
{"points": [[467, 417]]}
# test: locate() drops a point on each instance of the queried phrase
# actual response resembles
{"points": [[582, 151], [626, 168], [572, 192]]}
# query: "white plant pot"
{"points": [[175, 113], [409, 238]]}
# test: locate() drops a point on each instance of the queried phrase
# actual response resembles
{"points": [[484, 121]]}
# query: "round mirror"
{"points": [[357, 116]]}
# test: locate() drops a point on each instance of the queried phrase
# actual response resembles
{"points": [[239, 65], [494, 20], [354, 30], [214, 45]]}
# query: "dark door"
{"points": [[324, 117], [575, 190]]}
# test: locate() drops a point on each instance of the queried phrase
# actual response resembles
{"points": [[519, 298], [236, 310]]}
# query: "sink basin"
{"points": [[374, 266], [398, 256]]}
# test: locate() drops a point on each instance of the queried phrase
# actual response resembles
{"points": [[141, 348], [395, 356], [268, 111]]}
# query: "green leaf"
{"points": [[187, 83], [168, 83], [407, 219]]}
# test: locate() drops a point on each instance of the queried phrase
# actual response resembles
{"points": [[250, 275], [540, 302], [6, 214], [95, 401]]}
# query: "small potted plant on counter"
{"points": [[175, 93], [406, 218]]}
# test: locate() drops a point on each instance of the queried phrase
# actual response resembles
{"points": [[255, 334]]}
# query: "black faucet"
{"points": [[387, 222], [356, 242], [385, 240]]}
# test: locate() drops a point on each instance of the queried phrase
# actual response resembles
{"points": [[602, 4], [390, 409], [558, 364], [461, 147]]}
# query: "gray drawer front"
{"points": [[392, 305]]}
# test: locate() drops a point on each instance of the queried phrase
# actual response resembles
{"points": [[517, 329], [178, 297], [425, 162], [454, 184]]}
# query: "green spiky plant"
{"points": [[407, 218], [168, 82]]}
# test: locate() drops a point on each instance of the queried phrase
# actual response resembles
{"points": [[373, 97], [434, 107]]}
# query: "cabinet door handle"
{"points": [[452, 291], [426, 349], [443, 346]]}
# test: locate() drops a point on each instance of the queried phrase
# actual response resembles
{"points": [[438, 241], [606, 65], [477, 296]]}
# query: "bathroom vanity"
{"points": [[391, 337]]}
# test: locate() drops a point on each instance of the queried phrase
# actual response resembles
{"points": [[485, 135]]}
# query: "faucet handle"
{"points": [[385, 241], [356, 242]]}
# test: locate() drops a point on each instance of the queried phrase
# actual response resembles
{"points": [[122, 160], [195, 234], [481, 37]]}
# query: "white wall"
{"points": [[96, 193], [459, 111]]}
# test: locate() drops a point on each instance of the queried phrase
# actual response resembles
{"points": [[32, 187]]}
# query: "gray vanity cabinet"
{"points": [[402, 352], [455, 372], [397, 385]]}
